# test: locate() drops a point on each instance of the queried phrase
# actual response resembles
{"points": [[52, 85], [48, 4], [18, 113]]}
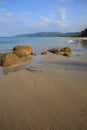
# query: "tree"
{"points": [[84, 33]]}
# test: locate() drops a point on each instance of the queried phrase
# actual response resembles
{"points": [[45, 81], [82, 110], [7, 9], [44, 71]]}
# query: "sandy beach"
{"points": [[51, 96], [82, 38]]}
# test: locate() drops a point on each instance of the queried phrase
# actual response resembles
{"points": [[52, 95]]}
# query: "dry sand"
{"points": [[54, 98], [82, 38]]}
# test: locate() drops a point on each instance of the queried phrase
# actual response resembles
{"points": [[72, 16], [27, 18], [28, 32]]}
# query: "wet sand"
{"points": [[53, 97]]}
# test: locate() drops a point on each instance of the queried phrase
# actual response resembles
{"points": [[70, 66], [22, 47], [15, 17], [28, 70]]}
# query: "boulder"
{"points": [[67, 54], [67, 51], [44, 53], [10, 59], [56, 51], [22, 51]]}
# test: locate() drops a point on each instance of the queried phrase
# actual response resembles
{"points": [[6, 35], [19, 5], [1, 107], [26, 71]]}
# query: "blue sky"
{"points": [[28, 16]]}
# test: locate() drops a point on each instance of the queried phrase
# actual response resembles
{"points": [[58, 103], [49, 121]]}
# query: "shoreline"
{"points": [[39, 61]]}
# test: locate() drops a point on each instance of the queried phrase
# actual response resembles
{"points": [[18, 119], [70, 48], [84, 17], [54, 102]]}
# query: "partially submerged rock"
{"points": [[54, 50], [67, 54], [44, 53], [63, 51], [22, 51], [10, 59], [67, 51]]}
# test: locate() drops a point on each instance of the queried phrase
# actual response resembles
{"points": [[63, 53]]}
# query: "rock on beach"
{"points": [[22, 51], [63, 51], [10, 59]]}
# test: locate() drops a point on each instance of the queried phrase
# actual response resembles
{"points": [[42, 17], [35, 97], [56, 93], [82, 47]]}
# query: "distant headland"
{"points": [[55, 34]]}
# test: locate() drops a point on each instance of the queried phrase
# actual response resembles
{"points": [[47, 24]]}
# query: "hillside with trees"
{"points": [[50, 34], [55, 34]]}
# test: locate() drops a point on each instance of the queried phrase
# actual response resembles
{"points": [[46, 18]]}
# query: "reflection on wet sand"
{"points": [[17, 67], [84, 43]]}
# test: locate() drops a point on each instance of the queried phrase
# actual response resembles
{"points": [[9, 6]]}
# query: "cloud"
{"points": [[8, 14], [24, 21], [59, 12], [62, 12], [81, 25], [4, 18], [46, 19], [4, 21], [52, 22]]}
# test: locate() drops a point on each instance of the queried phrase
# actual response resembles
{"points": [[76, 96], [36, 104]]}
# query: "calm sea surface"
{"points": [[40, 44]]}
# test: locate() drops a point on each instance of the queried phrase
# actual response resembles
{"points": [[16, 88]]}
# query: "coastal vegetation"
{"points": [[84, 33]]}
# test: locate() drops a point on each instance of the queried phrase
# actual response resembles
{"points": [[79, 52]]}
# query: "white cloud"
{"points": [[4, 20], [49, 21], [81, 25], [62, 12], [24, 21], [46, 19], [8, 14], [84, 23], [59, 12], [61, 24]]}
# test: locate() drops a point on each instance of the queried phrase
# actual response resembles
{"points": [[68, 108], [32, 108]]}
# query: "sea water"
{"points": [[40, 44]]}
